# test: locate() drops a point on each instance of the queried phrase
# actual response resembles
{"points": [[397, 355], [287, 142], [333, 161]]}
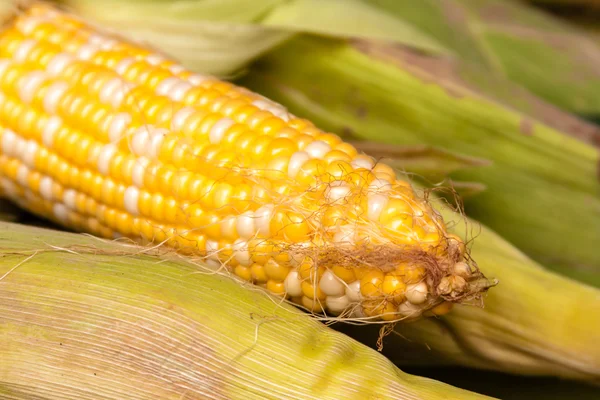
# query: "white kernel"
{"points": [[331, 285], [178, 120], [108, 44], [416, 293], [138, 171], [241, 253], [27, 25], [197, 79], [117, 126], [379, 185], [353, 292], [31, 150], [297, 160], [155, 59], [362, 162], [4, 64], [293, 284], [50, 129], [140, 140], [179, 90], [337, 192], [274, 108], [59, 63], [337, 304], [22, 175], [70, 199], [9, 188], [282, 113], [212, 249], [9, 142], [104, 158], [46, 191], [29, 84], [131, 198], [60, 212], [263, 219], [24, 49], [245, 225], [166, 85], [20, 146], [156, 139], [95, 39], [123, 65], [462, 269], [375, 204], [218, 130], [317, 149], [176, 69], [409, 310], [87, 51], [345, 235], [54, 93]]}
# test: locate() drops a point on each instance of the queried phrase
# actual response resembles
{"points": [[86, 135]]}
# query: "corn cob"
{"points": [[104, 136]]}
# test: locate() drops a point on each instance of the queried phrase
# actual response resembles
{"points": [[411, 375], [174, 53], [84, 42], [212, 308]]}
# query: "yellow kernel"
{"points": [[243, 272], [308, 270], [312, 291], [275, 271], [394, 208], [370, 284], [393, 288], [410, 274], [276, 287], [344, 273], [258, 273], [312, 305]]}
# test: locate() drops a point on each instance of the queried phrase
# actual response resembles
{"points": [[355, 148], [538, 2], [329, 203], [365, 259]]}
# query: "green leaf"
{"points": [[83, 315], [348, 18]]}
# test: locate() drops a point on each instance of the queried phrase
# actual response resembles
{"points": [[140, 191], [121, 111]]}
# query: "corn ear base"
{"points": [[97, 312], [541, 183]]}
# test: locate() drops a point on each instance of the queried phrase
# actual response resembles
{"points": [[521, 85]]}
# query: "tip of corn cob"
{"points": [[107, 137]]}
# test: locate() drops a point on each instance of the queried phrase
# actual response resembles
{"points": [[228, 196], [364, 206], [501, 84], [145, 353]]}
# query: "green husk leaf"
{"points": [[80, 315], [222, 37], [542, 188], [348, 18]]}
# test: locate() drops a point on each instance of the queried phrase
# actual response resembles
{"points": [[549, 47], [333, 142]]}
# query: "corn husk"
{"points": [[506, 38], [221, 37], [84, 318], [532, 48], [542, 188]]}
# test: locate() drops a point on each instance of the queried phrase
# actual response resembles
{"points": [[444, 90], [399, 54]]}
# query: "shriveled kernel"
{"points": [[417, 293]]}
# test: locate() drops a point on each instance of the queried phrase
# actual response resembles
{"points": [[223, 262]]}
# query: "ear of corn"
{"points": [[541, 181], [106, 137], [110, 323]]}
